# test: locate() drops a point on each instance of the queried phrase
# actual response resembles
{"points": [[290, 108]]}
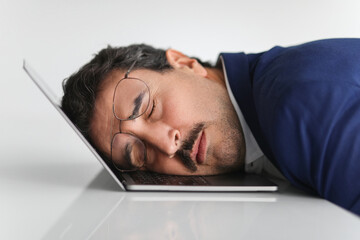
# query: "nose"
{"points": [[158, 134]]}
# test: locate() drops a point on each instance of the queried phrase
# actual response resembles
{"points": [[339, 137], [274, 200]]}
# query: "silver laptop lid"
{"points": [[54, 101]]}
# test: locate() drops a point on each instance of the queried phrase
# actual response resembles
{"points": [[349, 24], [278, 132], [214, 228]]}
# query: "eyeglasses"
{"points": [[131, 100]]}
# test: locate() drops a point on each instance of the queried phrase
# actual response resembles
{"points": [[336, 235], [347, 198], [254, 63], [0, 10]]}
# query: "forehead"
{"points": [[101, 124]]}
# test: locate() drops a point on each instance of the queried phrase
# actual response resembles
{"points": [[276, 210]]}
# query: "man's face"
{"points": [[193, 129]]}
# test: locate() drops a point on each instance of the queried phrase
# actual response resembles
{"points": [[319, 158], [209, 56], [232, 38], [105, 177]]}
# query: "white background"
{"points": [[57, 37]]}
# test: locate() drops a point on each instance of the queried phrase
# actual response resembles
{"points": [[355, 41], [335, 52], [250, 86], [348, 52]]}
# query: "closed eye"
{"points": [[152, 108]]}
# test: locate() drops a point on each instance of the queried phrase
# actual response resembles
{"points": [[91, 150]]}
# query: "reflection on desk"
{"points": [[289, 213]]}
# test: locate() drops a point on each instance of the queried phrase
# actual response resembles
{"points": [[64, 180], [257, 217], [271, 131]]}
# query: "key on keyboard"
{"points": [[150, 178]]}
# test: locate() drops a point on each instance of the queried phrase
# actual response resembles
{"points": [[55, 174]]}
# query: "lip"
{"points": [[198, 153]]}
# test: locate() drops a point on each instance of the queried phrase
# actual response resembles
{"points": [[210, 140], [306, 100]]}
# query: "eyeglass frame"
{"points": [[126, 76]]}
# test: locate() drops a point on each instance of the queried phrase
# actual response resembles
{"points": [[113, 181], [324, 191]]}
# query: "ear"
{"points": [[180, 61]]}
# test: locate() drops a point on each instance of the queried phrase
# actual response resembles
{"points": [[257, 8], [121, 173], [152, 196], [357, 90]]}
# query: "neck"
{"points": [[216, 75]]}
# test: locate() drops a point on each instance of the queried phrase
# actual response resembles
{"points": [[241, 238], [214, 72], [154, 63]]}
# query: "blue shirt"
{"points": [[302, 104]]}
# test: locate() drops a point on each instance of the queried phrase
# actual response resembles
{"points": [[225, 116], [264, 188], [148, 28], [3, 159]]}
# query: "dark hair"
{"points": [[81, 87]]}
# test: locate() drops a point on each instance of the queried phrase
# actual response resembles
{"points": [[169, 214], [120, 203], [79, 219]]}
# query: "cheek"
{"points": [[176, 109], [183, 107]]}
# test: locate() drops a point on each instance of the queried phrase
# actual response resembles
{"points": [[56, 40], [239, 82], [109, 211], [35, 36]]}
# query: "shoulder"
{"points": [[332, 59], [310, 72]]}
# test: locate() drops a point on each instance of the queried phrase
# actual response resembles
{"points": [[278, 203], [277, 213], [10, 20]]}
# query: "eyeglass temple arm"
{"points": [[130, 68]]}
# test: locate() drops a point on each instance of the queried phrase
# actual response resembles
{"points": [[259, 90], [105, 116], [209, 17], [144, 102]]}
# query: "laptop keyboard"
{"points": [[150, 178]]}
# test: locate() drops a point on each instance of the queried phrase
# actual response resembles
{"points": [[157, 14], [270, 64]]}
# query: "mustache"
{"points": [[187, 145]]}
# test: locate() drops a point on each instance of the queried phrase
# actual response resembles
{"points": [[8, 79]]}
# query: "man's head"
{"points": [[188, 125]]}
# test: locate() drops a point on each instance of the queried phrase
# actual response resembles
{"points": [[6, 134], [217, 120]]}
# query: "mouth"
{"points": [[198, 153]]}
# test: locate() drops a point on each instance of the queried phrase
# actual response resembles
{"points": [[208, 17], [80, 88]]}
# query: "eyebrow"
{"points": [[128, 149], [137, 104]]}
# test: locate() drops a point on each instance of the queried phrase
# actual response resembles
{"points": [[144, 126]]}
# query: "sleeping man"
{"points": [[291, 112]]}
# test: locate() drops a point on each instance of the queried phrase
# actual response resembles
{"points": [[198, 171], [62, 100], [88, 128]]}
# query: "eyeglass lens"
{"points": [[128, 152], [131, 100]]}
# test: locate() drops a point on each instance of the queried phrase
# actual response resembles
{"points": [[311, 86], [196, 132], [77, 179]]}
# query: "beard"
{"points": [[229, 154]]}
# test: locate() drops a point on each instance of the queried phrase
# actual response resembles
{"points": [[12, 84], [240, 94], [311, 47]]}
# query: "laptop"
{"points": [[148, 181]]}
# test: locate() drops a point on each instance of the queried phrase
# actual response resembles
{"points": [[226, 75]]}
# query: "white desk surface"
{"points": [[63, 193]]}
